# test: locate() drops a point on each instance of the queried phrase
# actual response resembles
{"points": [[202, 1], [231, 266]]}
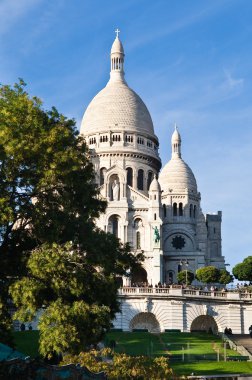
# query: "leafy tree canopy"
{"points": [[243, 271], [123, 366], [211, 274], [225, 277], [47, 200], [185, 277]]}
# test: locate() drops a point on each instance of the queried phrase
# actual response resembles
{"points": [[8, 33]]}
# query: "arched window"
{"points": [[194, 211], [129, 176], [113, 225], [102, 174], [155, 216], [181, 209], [169, 277], [175, 209], [164, 210], [138, 223], [138, 240], [149, 180], [140, 179], [191, 210]]}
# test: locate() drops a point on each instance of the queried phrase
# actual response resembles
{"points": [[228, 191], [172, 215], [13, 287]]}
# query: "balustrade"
{"points": [[177, 290]]}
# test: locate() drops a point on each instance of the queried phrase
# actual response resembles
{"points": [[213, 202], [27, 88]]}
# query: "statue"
{"points": [[115, 190], [156, 235]]}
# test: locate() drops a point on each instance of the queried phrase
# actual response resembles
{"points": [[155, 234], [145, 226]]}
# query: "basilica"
{"points": [[156, 209]]}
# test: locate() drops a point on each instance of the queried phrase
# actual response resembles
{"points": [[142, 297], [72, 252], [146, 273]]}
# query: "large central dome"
{"points": [[117, 107]]}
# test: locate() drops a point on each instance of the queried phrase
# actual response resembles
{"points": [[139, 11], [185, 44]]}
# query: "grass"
{"points": [[172, 344], [187, 344], [27, 342], [212, 368], [198, 350]]}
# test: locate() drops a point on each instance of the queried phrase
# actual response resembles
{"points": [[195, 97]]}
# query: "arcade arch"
{"points": [[145, 321]]}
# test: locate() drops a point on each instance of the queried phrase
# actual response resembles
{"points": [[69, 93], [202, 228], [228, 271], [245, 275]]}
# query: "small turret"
{"points": [[155, 199], [176, 143]]}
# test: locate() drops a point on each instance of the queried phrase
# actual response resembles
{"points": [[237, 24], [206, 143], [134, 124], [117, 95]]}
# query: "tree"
{"points": [[208, 274], [185, 277], [48, 198], [225, 277], [243, 271], [123, 366]]}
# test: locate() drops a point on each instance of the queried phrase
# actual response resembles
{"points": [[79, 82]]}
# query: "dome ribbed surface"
{"points": [[177, 175], [117, 107]]}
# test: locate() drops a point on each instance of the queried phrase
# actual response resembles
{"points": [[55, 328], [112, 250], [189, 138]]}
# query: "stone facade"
{"points": [[157, 212], [161, 217], [183, 309]]}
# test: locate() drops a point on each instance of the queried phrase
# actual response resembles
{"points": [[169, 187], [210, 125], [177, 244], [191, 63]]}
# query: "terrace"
{"points": [[179, 291]]}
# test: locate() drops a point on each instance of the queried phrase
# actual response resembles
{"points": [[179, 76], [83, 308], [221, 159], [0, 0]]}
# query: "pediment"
{"points": [[135, 195]]}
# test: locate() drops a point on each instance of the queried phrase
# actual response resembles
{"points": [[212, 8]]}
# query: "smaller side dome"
{"points": [[176, 175], [155, 186]]}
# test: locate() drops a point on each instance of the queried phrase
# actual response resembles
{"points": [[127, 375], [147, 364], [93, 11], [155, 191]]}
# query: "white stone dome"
{"points": [[117, 107], [177, 175]]}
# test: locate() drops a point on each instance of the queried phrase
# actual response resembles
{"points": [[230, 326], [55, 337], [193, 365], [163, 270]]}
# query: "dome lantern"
{"points": [[117, 59], [176, 143]]}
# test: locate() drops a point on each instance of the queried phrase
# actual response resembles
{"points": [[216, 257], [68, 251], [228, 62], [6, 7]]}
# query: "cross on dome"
{"points": [[117, 31]]}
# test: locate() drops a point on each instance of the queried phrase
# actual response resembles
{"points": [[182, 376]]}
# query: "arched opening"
{"points": [[204, 323], [113, 225], [114, 188], [180, 209], [149, 180], [140, 179], [194, 211], [169, 277], [138, 276], [175, 209], [129, 176], [146, 321], [138, 240], [102, 175], [191, 210], [164, 210]]}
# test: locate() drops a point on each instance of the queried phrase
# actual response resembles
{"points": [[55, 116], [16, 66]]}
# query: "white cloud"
{"points": [[231, 83]]}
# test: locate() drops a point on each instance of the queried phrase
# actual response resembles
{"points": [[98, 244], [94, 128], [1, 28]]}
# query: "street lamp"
{"points": [[186, 264]]}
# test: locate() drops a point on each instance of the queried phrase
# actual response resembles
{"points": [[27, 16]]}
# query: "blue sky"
{"points": [[190, 61]]}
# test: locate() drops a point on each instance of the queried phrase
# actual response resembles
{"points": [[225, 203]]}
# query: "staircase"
{"points": [[243, 343]]}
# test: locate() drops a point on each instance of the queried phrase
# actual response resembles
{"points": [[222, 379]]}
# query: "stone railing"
{"points": [[179, 291]]}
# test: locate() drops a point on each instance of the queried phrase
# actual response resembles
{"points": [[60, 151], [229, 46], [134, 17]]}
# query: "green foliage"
{"points": [[208, 274], [225, 277], [212, 274], [47, 199], [243, 271], [122, 366], [185, 277]]}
